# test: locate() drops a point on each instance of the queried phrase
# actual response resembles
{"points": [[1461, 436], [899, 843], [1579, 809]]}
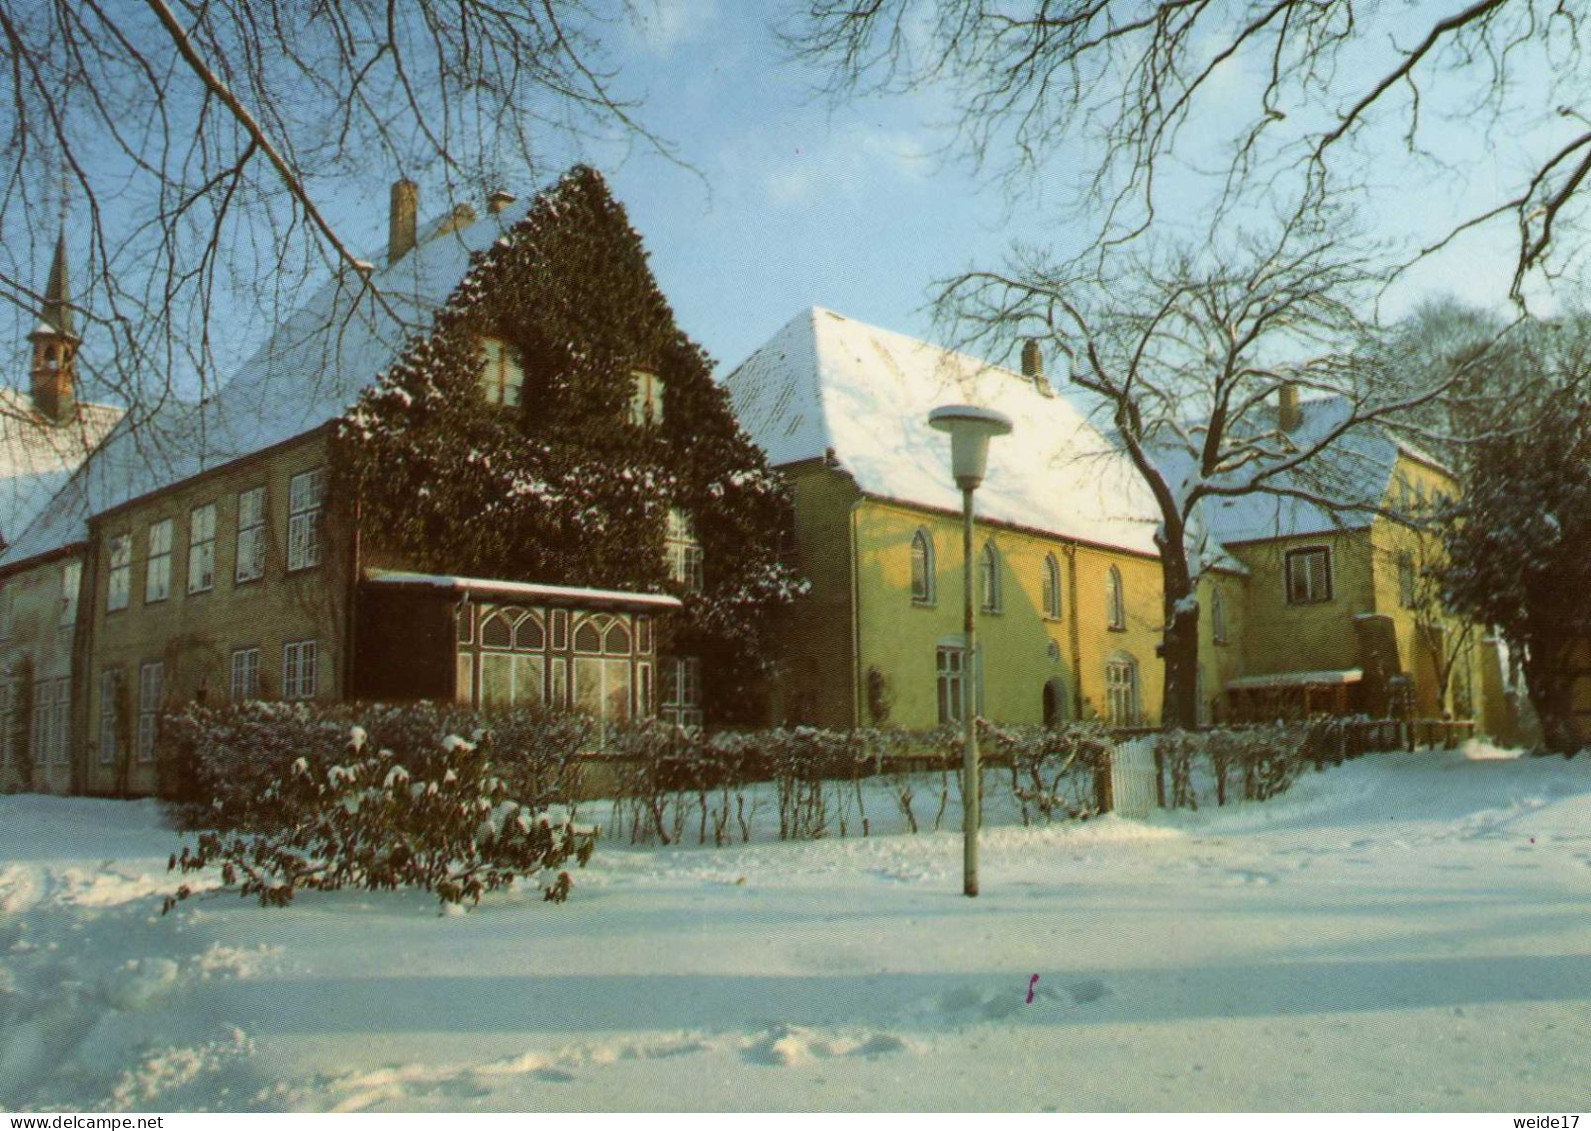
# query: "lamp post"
{"points": [[970, 430]]}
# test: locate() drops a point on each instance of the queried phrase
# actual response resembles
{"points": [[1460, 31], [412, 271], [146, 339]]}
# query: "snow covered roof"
{"points": [[308, 372], [1295, 679], [37, 457], [1357, 469], [827, 385], [553, 594]]}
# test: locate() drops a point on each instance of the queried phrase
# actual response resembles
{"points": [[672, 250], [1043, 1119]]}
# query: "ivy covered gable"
{"points": [[551, 423]]}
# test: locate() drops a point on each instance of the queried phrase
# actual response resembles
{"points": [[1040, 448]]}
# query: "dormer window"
{"points": [[502, 374], [646, 398]]}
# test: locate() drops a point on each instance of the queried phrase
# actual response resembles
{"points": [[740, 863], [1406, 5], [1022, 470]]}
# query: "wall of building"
{"points": [[1022, 647], [1221, 658], [194, 634], [37, 630], [816, 676], [1279, 636]]}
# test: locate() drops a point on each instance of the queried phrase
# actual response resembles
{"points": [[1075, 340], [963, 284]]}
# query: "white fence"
{"points": [[1132, 777]]}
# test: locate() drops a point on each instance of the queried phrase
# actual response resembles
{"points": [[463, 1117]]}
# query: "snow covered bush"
{"points": [[1262, 759], [361, 818], [1055, 772]]}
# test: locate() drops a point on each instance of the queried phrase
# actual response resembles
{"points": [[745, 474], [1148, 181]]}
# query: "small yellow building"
{"points": [[1067, 578]]}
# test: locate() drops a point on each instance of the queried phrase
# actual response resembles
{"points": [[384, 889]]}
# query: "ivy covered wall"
{"points": [[562, 489]]}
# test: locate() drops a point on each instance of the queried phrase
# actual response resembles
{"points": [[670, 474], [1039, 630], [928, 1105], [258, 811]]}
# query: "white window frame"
{"points": [[201, 548], [305, 499], [251, 535], [990, 598], [245, 682], [300, 669], [71, 587], [1304, 555], [157, 571], [681, 692], [119, 584], [1051, 584], [52, 720], [502, 373], [922, 556], [1121, 691], [151, 687], [110, 686], [683, 551], [1115, 601], [646, 397]]}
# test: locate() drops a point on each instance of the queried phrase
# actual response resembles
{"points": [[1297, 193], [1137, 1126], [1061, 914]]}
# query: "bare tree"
{"points": [[1188, 356], [1309, 96], [199, 141]]}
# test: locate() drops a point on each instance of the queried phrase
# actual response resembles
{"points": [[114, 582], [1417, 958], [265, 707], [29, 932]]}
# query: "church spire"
{"points": [[57, 294], [55, 346]]}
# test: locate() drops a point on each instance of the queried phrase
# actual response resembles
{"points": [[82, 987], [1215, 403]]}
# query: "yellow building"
{"points": [[1343, 613], [1067, 579]]}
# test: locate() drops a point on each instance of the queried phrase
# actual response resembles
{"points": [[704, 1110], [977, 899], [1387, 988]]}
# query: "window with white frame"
{"points": [[922, 568], [989, 578], [245, 674], [646, 398], [684, 552], [157, 577], [1217, 614], [71, 583], [951, 670], [306, 494], [502, 373], [1115, 602], [1308, 575], [251, 535], [299, 663], [1052, 587], [681, 678], [151, 681], [52, 706], [1121, 691], [121, 573], [110, 715], [201, 548]]}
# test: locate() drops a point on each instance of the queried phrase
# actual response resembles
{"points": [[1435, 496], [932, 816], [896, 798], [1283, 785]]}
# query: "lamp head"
{"points": [[970, 429]]}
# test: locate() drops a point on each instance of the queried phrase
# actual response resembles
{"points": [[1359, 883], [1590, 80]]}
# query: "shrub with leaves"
{"points": [[358, 816]]}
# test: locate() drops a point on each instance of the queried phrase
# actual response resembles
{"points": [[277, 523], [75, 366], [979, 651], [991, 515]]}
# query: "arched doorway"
{"points": [[1055, 702]]}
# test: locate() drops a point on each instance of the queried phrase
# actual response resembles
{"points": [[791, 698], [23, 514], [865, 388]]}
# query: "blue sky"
{"points": [[791, 201]]}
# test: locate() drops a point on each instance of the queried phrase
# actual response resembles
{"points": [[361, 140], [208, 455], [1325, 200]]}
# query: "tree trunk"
{"points": [[1549, 678], [1181, 644]]}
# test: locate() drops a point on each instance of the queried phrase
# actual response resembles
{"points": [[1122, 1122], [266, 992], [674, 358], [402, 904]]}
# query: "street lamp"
{"points": [[970, 430]]}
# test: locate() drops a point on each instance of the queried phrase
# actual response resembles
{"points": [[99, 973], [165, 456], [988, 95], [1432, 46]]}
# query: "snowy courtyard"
{"points": [[1404, 932]]}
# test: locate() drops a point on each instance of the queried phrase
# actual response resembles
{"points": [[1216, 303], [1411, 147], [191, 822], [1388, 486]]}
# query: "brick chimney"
{"points": [[1288, 413], [55, 345], [1033, 366], [403, 220]]}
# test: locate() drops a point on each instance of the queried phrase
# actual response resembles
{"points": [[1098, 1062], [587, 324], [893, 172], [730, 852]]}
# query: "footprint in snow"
{"points": [[1242, 876]]}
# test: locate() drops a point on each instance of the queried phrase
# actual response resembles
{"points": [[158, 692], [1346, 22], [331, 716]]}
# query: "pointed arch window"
{"points": [[989, 578], [502, 373], [1115, 602], [1217, 614], [1052, 587], [922, 568]]}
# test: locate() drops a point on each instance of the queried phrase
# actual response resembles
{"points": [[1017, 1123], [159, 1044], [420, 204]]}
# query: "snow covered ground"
{"points": [[1403, 932]]}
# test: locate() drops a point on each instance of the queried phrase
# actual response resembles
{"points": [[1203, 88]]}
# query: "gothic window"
{"points": [[1115, 602], [1052, 587], [989, 578], [922, 568], [646, 398], [502, 373]]}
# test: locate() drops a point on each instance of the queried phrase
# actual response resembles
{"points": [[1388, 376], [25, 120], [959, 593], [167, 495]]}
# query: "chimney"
{"points": [[1033, 366], [1288, 415], [462, 216], [499, 200], [402, 220], [55, 347]]}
